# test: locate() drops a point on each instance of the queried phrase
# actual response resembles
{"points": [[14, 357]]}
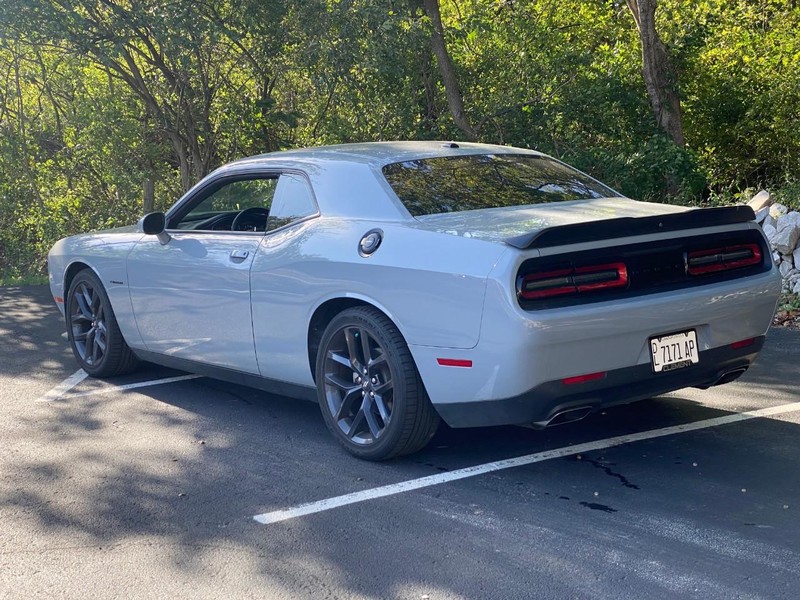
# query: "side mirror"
{"points": [[155, 223]]}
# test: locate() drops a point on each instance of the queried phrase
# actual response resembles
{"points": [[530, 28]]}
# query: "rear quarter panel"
{"points": [[431, 285]]}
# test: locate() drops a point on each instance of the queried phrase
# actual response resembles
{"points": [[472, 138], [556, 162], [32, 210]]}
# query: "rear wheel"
{"points": [[92, 329], [369, 390]]}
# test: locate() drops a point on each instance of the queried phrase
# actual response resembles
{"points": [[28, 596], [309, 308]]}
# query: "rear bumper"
{"points": [[541, 403], [520, 353]]}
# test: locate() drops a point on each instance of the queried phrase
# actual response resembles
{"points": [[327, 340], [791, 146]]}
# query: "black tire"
{"points": [[386, 414], [92, 329]]}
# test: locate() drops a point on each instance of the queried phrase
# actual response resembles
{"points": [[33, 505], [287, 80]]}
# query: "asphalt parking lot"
{"points": [[115, 489]]}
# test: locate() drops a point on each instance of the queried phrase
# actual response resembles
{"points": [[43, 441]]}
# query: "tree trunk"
{"points": [[149, 194], [659, 75], [452, 90]]}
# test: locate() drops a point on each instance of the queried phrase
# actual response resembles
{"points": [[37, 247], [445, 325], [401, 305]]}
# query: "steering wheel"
{"points": [[254, 217]]}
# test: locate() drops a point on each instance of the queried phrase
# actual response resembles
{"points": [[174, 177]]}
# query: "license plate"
{"points": [[674, 351]]}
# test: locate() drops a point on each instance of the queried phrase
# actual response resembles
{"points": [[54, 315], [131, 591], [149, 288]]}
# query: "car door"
{"points": [[191, 295], [285, 281]]}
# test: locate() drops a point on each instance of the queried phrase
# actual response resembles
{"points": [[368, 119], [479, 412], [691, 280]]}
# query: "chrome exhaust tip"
{"points": [[562, 417], [731, 376]]}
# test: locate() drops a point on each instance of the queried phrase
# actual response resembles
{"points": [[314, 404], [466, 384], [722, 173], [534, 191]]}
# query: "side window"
{"points": [[243, 203], [293, 201]]}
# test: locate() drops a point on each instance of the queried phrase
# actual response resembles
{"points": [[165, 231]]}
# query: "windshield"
{"points": [[469, 182]]}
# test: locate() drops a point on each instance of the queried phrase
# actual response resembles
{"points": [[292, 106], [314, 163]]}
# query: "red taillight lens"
{"points": [[723, 259], [551, 283], [600, 277], [573, 280]]}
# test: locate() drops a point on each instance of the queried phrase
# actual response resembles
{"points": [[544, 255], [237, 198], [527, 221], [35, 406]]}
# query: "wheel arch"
{"points": [[324, 314], [72, 270]]}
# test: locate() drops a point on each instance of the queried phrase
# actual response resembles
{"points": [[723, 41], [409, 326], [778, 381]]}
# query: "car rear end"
{"points": [[574, 323], [597, 299]]}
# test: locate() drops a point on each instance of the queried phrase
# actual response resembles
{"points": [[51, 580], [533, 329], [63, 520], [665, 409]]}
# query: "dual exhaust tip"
{"points": [[570, 415]]}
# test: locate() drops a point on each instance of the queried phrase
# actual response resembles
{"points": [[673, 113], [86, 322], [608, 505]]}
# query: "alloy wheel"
{"points": [[88, 324], [358, 385]]}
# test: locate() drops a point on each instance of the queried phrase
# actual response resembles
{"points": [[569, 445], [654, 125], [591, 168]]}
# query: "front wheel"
{"points": [[92, 329], [369, 390]]}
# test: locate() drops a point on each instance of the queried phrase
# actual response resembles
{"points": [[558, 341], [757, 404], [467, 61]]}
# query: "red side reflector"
{"points": [[454, 362], [743, 343], [722, 259], [59, 299], [584, 378]]}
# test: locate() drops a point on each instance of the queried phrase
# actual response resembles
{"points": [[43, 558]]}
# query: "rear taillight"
{"points": [[573, 280], [723, 259]]}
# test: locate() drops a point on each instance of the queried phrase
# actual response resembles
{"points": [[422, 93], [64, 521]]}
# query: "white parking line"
{"points": [[132, 386], [62, 390], [415, 484], [63, 387]]}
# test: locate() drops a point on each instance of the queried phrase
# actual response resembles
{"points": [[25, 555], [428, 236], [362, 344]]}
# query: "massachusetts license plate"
{"points": [[674, 351]]}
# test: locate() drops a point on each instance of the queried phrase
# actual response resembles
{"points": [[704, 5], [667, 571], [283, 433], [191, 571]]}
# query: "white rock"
{"points": [[784, 268], [770, 221], [776, 258], [762, 214], [770, 232], [787, 258], [785, 241], [796, 288], [760, 200], [796, 256], [777, 210], [791, 219]]}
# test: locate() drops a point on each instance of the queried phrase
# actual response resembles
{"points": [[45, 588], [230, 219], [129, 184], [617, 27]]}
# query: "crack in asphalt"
{"points": [[607, 470]]}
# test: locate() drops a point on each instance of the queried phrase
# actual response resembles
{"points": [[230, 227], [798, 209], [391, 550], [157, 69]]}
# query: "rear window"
{"points": [[456, 183]]}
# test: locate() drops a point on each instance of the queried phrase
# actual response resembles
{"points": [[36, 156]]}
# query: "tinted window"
{"points": [[456, 183], [218, 209], [293, 201]]}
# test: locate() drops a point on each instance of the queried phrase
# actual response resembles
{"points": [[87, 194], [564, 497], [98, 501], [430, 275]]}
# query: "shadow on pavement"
{"points": [[181, 469]]}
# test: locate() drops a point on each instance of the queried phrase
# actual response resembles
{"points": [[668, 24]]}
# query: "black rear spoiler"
{"points": [[607, 229]]}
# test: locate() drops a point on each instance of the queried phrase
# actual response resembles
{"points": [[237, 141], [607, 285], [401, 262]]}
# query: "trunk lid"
{"points": [[500, 224]]}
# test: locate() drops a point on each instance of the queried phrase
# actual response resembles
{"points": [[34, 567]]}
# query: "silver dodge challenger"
{"points": [[400, 283]]}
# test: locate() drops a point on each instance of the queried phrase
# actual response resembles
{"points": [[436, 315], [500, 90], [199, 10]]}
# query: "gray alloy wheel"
{"points": [[369, 390], [92, 329]]}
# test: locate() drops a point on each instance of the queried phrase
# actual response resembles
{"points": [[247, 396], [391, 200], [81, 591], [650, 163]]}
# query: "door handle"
{"points": [[239, 254]]}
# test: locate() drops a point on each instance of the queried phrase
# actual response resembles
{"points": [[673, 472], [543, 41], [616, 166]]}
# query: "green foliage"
{"points": [[788, 194], [98, 97], [11, 281]]}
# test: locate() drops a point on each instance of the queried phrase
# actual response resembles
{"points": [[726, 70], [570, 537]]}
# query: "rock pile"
{"points": [[782, 228]]}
